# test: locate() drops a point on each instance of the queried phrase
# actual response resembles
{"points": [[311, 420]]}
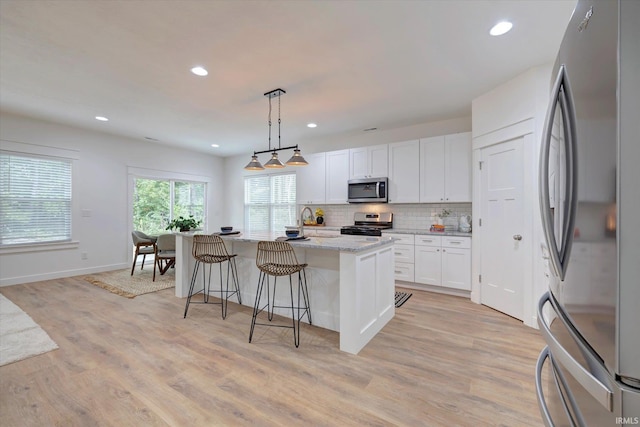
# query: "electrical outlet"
{"points": [[84, 255]]}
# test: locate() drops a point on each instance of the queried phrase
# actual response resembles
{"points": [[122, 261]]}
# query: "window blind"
{"points": [[35, 199], [270, 202]]}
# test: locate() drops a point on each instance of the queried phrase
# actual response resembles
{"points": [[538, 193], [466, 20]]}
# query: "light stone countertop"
{"points": [[425, 232], [333, 243]]}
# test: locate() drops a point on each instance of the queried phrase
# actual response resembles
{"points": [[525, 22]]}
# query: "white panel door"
{"points": [[502, 248]]}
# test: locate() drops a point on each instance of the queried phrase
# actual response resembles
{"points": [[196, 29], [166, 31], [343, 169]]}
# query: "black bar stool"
{"points": [[210, 249], [278, 259]]}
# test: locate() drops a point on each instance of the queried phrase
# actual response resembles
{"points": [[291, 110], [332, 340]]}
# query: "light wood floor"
{"points": [[442, 361]]}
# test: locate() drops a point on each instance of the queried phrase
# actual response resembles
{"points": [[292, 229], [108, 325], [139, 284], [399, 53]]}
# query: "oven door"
{"points": [[373, 190]]}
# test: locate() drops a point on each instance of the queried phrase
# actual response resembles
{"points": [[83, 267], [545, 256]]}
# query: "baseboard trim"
{"points": [[60, 274]]}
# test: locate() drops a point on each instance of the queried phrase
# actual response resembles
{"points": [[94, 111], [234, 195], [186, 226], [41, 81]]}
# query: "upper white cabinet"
{"points": [[310, 180], [337, 175], [445, 168], [404, 172], [368, 162]]}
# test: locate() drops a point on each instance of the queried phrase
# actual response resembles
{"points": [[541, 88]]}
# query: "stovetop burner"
{"points": [[369, 224]]}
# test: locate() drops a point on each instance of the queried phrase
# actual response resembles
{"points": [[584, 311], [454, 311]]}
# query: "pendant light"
{"points": [[274, 162]]}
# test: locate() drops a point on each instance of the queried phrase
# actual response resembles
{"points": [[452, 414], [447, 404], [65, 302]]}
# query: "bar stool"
{"points": [[278, 259], [210, 249]]}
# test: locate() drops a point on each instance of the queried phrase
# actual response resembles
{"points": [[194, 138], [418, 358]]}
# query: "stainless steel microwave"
{"points": [[368, 190]]}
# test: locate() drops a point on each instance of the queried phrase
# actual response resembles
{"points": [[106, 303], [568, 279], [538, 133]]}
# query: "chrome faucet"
{"points": [[306, 208]]}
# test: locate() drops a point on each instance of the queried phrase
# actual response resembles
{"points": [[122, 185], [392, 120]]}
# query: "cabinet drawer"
{"points": [[456, 242], [405, 239], [404, 271], [403, 253], [428, 240]]}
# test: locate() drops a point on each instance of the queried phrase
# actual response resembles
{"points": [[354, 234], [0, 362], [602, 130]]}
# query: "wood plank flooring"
{"points": [[442, 361]]}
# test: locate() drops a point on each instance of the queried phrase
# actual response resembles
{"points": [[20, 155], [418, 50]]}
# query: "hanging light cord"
{"points": [[278, 93], [279, 146], [270, 125]]}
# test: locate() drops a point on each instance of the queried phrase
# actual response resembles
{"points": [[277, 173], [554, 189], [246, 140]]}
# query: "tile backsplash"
{"points": [[418, 216]]}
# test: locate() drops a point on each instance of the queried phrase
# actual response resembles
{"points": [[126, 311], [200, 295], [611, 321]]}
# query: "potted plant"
{"points": [[319, 216], [183, 224]]}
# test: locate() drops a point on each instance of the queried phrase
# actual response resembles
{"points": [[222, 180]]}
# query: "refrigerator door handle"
{"points": [[542, 404], [561, 94], [597, 389]]}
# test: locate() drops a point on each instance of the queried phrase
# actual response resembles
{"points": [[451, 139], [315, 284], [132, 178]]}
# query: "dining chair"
{"points": [[145, 245], [165, 254]]}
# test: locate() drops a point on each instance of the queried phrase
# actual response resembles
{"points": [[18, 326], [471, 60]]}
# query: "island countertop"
{"points": [[342, 243]]}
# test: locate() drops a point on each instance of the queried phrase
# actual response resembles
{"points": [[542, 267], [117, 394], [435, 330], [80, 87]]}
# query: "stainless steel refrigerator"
{"points": [[589, 372]]}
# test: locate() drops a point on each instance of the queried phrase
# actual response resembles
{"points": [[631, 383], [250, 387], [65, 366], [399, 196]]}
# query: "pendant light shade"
{"points": [[254, 164], [274, 163], [297, 159]]}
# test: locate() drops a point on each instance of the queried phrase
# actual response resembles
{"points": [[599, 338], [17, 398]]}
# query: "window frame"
{"points": [[143, 173], [47, 152]]}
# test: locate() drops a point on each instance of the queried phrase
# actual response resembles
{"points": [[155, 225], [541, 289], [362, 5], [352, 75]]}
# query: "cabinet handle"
{"points": [[517, 237], [454, 242], [444, 250], [437, 250], [398, 272]]}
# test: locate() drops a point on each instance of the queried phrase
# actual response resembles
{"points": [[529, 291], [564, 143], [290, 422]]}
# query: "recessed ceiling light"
{"points": [[500, 28], [102, 119], [311, 125], [215, 145], [199, 71]]}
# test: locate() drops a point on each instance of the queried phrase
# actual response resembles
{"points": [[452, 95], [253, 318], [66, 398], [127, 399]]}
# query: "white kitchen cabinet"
{"points": [[456, 263], [404, 172], [369, 162], [337, 175], [443, 261], [310, 180], [445, 168], [428, 260], [404, 256]]}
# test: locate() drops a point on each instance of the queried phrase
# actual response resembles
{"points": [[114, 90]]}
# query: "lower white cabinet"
{"points": [[456, 265], [443, 261], [428, 260]]}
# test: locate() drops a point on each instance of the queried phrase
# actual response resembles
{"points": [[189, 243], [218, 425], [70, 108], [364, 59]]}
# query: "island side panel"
{"points": [[367, 289]]}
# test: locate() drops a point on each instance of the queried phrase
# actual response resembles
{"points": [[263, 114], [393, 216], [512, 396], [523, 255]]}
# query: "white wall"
{"points": [[100, 186], [234, 166]]}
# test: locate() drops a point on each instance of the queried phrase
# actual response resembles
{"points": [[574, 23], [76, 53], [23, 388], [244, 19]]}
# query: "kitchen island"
{"points": [[350, 279]]}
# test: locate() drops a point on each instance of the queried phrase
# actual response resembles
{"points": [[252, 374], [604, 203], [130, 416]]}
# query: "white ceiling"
{"points": [[346, 65]]}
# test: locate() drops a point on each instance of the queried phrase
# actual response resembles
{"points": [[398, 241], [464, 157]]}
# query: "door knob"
{"points": [[517, 237]]}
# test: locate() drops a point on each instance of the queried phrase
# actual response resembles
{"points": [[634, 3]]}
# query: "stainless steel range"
{"points": [[369, 224]]}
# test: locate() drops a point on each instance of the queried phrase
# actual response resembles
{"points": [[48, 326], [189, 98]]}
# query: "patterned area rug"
{"points": [[20, 336], [121, 282]]}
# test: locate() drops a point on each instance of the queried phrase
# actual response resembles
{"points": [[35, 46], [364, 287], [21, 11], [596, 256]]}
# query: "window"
{"points": [[269, 202], [157, 201], [35, 199]]}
